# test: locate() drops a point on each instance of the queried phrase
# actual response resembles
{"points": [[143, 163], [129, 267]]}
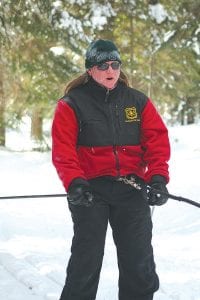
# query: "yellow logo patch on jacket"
{"points": [[131, 114]]}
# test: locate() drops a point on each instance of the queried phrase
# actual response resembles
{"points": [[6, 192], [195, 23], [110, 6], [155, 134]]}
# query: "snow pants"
{"points": [[127, 211]]}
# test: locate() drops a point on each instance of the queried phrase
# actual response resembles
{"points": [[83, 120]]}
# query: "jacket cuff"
{"points": [[158, 179]]}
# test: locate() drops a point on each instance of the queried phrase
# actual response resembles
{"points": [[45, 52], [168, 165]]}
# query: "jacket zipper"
{"points": [[115, 152], [117, 116], [116, 160], [107, 95]]}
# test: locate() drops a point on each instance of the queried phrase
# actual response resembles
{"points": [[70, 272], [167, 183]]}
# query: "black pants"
{"points": [[128, 213]]}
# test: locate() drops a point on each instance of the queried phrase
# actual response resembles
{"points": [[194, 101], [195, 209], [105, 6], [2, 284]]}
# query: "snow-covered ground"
{"points": [[35, 234]]}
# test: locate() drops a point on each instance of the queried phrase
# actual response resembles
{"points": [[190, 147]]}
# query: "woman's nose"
{"points": [[110, 69]]}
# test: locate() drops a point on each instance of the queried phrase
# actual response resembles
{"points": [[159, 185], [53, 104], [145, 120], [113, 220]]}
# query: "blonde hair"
{"points": [[84, 78]]}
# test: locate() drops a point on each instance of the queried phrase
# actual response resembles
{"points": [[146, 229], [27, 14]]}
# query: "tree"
{"points": [[34, 32]]}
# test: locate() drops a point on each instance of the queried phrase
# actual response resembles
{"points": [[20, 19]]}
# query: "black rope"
{"points": [[178, 198]]}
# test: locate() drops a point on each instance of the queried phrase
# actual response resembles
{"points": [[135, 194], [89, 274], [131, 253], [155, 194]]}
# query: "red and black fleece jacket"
{"points": [[97, 132]]}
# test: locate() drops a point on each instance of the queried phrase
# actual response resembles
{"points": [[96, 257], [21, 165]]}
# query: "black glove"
{"points": [[158, 183], [79, 193]]}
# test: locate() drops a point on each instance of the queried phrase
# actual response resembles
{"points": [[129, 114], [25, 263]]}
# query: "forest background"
{"points": [[43, 43]]}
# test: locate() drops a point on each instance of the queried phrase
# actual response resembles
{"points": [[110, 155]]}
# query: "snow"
{"points": [[35, 234], [57, 50], [158, 12]]}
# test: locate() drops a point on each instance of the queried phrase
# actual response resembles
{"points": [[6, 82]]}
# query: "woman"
{"points": [[109, 142]]}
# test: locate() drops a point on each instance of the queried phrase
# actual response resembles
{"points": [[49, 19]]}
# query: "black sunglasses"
{"points": [[115, 65]]}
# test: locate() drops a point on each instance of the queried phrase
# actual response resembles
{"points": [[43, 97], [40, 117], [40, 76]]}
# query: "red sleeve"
{"points": [[155, 142], [64, 140]]}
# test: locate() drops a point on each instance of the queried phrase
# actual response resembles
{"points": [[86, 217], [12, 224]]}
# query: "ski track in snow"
{"points": [[35, 234]]}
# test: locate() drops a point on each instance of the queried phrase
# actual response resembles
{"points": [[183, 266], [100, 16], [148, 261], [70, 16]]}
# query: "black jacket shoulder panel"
{"points": [[76, 91], [139, 97], [70, 99], [66, 98]]}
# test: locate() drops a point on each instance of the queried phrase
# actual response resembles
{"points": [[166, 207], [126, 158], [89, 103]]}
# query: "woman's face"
{"points": [[106, 74]]}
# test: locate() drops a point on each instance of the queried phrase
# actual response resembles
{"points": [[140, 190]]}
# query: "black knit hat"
{"points": [[100, 51]]}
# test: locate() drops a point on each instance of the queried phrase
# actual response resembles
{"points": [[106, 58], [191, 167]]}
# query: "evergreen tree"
{"points": [[46, 41]]}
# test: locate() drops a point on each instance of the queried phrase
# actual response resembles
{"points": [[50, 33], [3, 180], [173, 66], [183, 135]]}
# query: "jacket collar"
{"points": [[102, 91]]}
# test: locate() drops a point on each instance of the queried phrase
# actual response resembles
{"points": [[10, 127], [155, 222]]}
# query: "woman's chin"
{"points": [[110, 84]]}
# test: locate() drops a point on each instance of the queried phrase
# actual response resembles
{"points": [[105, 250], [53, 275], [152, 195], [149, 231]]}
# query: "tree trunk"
{"points": [[182, 116], [36, 125], [2, 114], [190, 111]]}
